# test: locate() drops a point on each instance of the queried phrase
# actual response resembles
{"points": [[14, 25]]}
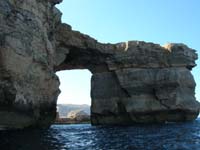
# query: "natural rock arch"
{"points": [[133, 82]]}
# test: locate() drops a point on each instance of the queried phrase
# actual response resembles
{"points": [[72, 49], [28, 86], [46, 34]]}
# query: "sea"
{"points": [[169, 136]]}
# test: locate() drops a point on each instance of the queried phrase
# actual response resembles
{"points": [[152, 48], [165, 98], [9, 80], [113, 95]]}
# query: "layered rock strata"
{"points": [[132, 82]]}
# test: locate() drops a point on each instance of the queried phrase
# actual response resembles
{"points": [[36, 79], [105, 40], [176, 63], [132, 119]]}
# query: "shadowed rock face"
{"points": [[132, 82]]}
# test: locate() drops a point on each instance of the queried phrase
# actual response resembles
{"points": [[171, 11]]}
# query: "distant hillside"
{"points": [[64, 109]]}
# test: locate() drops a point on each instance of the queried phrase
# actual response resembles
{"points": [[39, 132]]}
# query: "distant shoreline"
{"points": [[75, 122], [72, 121]]}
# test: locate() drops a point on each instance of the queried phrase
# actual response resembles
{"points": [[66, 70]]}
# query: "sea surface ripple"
{"points": [[171, 136]]}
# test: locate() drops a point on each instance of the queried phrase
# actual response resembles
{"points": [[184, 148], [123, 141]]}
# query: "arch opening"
{"points": [[74, 101]]}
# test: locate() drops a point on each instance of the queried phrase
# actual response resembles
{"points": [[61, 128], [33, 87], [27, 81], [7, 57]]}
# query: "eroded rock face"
{"points": [[28, 85], [133, 82]]}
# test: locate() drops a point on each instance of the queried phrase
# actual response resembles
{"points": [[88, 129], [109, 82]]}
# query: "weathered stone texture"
{"points": [[28, 85], [132, 82]]}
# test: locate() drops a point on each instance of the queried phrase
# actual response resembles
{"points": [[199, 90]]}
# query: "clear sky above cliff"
{"points": [[158, 21]]}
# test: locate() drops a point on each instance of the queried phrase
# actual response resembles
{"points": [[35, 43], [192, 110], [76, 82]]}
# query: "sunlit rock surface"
{"points": [[132, 82], [78, 115]]}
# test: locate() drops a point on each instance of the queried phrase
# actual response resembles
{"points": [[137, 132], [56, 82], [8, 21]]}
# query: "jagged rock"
{"points": [[56, 1], [132, 82], [78, 115]]}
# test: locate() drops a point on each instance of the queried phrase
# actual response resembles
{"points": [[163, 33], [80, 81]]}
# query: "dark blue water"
{"points": [[174, 136]]}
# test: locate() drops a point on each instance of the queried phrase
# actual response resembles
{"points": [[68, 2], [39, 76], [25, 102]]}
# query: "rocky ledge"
{"points": [[132, 82]]}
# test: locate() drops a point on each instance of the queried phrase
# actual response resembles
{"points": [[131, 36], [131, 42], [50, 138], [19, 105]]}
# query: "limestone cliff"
{"points": [[132, 82], [28, 85]]}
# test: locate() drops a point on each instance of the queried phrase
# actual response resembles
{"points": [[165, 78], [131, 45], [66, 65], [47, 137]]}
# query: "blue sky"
{"points": [[112, 21]]}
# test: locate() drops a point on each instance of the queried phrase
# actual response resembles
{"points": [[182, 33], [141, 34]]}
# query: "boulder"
{"points": [[78, 115]]}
